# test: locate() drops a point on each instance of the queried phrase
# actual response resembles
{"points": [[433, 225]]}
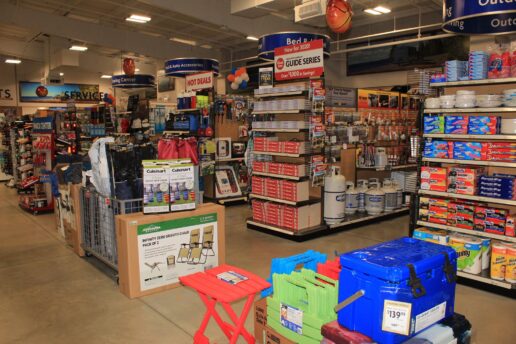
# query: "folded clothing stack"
{"points": [[478, 65]]}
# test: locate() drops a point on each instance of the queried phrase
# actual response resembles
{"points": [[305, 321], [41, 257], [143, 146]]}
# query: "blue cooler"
{"points": [[394, 290]]}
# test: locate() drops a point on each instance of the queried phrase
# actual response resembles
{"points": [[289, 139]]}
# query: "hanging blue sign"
{"points": [[133, 81], [476, 17], [267, 43], [181, 67], [42, 124]]}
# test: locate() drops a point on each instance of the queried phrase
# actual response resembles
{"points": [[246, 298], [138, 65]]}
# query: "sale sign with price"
{"points": [[303, 60], [396, 317]]}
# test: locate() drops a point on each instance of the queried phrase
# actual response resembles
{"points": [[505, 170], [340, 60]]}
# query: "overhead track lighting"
{"points": [[382, 9], [136, 18], [105, 76], [184, 41], [78, 48], [252, 38], [373, 12], [13, 61]]}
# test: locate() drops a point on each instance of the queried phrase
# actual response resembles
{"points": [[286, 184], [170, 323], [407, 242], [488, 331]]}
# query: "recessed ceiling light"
{"points": [[373, 12], [13, 61], [137, 69], [184, 41], [252, 38], [138, 19], [78, 48], [382, 9], [61, 74], [206, 46], [105, 76]]}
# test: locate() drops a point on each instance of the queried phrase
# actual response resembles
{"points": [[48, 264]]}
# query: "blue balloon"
{"points": [[233, 71], [243, 84]]}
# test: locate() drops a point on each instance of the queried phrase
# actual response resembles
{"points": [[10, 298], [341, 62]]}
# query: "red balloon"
{"points": [[240, 71], [41, 91], [129, 67], [231, 77], [338, 15]]}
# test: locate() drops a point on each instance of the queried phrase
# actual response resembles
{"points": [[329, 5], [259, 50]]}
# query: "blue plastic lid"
{"points": [[389, 260]]}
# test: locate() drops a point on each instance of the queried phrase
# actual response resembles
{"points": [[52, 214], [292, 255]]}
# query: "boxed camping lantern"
{"points": [[393, 290]]}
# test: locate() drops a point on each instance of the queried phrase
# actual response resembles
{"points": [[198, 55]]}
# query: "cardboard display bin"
{"points": [[262, 332], [155, 250]]}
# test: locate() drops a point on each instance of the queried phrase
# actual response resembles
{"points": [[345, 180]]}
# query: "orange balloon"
{"points": [[239, 71], [231, 78]]}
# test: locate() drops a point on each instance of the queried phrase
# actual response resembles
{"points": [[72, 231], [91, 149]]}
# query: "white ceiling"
{"points": [[101, 24]]}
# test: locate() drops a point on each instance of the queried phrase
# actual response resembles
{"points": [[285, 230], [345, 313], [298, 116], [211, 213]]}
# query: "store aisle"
{"points": [[49, 295]]}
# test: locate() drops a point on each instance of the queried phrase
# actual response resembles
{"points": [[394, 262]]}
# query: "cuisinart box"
{"points": [[169, 185]]}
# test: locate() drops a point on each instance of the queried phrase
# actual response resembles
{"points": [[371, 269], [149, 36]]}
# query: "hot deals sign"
{"points": [[298, 61], [199, 81]]}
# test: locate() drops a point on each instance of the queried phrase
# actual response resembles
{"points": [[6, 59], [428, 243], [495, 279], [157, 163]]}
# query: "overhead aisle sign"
{"points": [[199, 81], [304, 60]]}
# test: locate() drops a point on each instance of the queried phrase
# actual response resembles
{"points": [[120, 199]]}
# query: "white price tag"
{"points": [[396, 317]]}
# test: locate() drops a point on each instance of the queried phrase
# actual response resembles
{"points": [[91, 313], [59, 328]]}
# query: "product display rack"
{"points": [[482, 280], [284, 134], [364, 218]]}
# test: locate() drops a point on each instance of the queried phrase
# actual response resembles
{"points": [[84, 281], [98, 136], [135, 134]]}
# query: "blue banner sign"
{"points": [[42, 124], [80, 93], [267, 43], [479, 16], [181, 67], [133, 81]]}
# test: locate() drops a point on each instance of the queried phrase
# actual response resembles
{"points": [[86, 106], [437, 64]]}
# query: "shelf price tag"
{"points": [[396, 317]]}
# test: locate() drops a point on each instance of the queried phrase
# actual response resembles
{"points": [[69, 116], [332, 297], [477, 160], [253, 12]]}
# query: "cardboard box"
{"points": [[145, 242], [263, 333]]}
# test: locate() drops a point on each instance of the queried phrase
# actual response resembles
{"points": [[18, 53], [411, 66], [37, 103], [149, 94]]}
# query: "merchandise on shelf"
{"points": [[464, 180]]}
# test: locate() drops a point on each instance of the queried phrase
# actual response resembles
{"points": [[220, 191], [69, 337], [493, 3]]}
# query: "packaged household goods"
{"points": [[490, 220], [498, 260], [486, 253], [510, 225], [433, 124], [483, 125], [510, 267], [437, 236], [467, 150], [456, 125], [434, 178], [436, 149]]}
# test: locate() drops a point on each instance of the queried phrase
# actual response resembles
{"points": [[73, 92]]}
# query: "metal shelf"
{"points": [[279, 130], [473, 82], [363, 217], [472, 162], [388, 167], [286, 231], [229, 160], [468, 231], [265, 112], [472, 110], [231, 199], [265, 174], [279, 94], [471, 137], [187, 110], [281, 154], [484, 278], [279, 200], [468, 197]]}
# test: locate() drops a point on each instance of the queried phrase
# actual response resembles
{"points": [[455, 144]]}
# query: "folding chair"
{"points": [[207, 242], [186, 249]]}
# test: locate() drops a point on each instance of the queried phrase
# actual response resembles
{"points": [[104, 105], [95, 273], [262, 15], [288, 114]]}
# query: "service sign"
{"points": [[199, 81], [298, 61], [80, 93]]}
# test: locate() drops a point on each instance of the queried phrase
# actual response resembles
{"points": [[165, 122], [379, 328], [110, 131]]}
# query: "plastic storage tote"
{"points": [[394, 290]]}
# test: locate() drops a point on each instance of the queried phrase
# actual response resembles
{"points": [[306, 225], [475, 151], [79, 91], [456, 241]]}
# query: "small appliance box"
{"points": [[181, 176], [156, 194], [406, 284]]}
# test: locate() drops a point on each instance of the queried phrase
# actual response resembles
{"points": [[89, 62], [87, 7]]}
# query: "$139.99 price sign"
{"points": [[396, 317], [297, 61]]}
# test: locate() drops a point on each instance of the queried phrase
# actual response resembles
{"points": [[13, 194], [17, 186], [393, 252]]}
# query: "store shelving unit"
{"points": [[389, 167], [482, 280], [364, 218], [279, 130], [280, 176]]}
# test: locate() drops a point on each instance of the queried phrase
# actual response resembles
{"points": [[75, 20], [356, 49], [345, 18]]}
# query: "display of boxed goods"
{"points": [[456, 70], [490, 220], [497, 186], [456, 125], [280, 215], [469, 253], [461, 215], [478, 65], [464, 180], [394, 263], [503, 262], [274, 146], [169, 185], [436, 149], [434, 178], [433, 124], [432, 235], [484, 125], [499, 151], [467, 150]]}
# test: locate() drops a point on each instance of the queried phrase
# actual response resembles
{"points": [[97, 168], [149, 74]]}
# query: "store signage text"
{"points": [[480, 16], [268, 43], [36, 92], [303, 60], [5, 94], [133, 81], [199, 81], [181, 67]]}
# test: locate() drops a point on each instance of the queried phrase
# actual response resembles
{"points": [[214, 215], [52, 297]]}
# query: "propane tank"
{"points": [[374, 199], [361, 189], [334, 196], [399, 193], [391, 196], [351, 199]]}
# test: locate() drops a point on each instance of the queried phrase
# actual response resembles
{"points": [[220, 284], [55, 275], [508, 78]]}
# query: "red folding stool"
{"points": [[212, 289]]}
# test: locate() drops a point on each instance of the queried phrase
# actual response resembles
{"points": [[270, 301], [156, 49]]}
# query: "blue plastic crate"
{"points": [[403, 286]]}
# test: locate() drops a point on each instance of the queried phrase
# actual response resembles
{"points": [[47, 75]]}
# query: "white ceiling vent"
{"points": [[311, 11]]}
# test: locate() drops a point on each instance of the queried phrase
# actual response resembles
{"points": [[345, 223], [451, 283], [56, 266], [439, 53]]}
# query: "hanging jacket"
{"points": [[99, 166]]}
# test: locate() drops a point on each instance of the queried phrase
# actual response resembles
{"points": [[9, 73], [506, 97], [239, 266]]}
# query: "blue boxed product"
{"points": [[467, 150], [436, 149], [403, 287], [456, 125], [433, 124]]}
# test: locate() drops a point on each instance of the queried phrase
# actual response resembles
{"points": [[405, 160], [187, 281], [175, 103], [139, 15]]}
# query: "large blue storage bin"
{"points": [[403, 286]]}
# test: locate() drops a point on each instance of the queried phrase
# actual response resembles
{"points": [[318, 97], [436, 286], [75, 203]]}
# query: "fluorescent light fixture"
{"points": [[184, 41], [206, 46], [105, 76], [135, 18], [61, 74], [137, 69], [13, 61], [42, 108], [78, 48], [373, 12], [252, 38], [382, 9]]}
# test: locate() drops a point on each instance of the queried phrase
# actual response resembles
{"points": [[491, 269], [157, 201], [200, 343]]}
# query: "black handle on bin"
{"points": [[414, 282], [349, 300], [449, 269]]}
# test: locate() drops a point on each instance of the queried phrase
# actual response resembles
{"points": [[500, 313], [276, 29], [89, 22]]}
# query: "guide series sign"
{"points": [[298, 61]]}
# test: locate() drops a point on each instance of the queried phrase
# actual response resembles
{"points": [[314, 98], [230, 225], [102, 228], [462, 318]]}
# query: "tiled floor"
{"points": [[49, 295]]}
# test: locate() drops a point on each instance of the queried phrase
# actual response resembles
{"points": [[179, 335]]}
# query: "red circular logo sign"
{"points": [[280, 63]]}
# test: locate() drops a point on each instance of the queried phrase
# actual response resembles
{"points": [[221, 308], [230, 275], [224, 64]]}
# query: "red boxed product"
{"points": [[510, 225], [258, 210], [434, 178], [260, 144], [272, 187], [274, 168], [258, 185], [490, 220], [294, 170], [434, 185], [294, 191], [274, 146], [294, 147], [260, 166], [273, 213]]}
